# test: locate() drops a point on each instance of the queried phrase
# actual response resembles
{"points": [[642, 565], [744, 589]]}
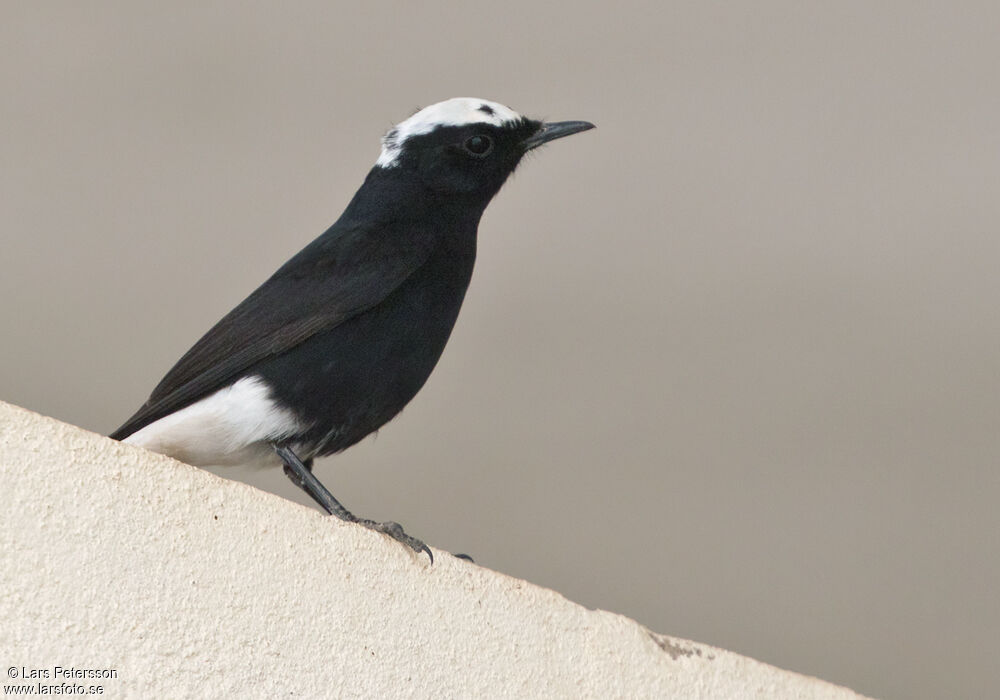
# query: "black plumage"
{"points": [[347, 331]]}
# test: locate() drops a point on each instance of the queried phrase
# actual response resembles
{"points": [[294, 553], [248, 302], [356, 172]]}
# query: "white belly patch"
{"points": [[231, 427]]}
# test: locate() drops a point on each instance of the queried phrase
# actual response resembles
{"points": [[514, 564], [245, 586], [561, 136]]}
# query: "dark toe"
{"points": [[396, 532]]}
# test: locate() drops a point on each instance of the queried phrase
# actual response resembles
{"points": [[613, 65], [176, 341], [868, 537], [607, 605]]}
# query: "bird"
{"points": [[343, 335]]}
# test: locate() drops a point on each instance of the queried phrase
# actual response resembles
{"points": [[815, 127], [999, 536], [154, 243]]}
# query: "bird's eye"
{"points": [[479, 146]]}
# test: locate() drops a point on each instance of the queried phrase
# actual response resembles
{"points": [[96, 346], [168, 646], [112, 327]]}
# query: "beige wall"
{"points": [[176, 584], [730, 364]]}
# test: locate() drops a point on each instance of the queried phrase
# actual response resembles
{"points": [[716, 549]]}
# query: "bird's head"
{"points": [[466, 145]]}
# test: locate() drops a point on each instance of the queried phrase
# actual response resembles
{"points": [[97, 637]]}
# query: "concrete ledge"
{"points": [[188, 586]]}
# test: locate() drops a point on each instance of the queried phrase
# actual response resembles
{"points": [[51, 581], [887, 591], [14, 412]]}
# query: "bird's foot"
{"points": [[301, 474], [396, 532]]}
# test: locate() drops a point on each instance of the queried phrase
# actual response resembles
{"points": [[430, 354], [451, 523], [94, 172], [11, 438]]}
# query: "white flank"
{"points": [[227, 428], [457, 111]]}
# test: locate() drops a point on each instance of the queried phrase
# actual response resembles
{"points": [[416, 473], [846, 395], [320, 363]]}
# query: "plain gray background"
{"points": [[730, 364]]}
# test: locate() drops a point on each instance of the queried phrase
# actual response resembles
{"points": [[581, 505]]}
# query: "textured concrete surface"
{"points": [[132, 572]]}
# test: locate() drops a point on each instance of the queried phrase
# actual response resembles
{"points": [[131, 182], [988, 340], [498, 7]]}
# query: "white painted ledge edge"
{"points": [[192, 586]]}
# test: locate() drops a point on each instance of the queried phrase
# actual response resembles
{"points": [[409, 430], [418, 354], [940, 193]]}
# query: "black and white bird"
{"points": [[346, 332]]}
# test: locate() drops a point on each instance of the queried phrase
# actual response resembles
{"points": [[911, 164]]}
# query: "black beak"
{"points": [[554, 130]]}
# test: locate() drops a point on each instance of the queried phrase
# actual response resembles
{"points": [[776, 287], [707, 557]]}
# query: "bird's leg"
{"points": [[302, 476], [293, 477]]}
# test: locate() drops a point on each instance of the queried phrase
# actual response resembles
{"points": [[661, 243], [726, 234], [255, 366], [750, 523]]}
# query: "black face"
{"points": [[474, 159]]}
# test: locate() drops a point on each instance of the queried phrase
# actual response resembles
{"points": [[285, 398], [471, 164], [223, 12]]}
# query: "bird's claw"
{"points": [[396, 532]]}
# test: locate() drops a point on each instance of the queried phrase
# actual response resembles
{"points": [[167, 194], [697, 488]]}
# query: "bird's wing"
{"points": [[344, 272]]}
